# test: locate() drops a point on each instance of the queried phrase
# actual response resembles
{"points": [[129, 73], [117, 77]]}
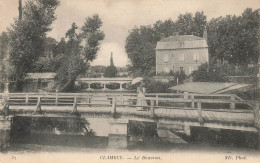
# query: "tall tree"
{"points": [[81, 49], [233, 39], [4, 48], [28, 35], [185, 24], [140, 48]]}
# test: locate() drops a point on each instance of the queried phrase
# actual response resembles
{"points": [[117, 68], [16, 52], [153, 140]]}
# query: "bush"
{"points": [[153, 86], [213, 73], [110, 71]]}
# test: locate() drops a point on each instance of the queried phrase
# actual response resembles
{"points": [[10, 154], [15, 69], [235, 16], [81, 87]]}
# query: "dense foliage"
{"points": [[231, 39], [28, 36], [32, 51], [110, 71], [4, 45], [234, 39], [141, 41], [220, 72], [80, 50]]}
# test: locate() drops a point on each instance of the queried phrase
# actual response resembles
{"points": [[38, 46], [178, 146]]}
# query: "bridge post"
{"points": [[192, 103], [257, 121], [157, 101], [152, 108], [38, 107], [26, 98], [5, 109], [114, 105], [200, 119], [186, 95], [75, 109], [88, 99], [232, 104], [122, 99], [56, 99], [75, 105]]}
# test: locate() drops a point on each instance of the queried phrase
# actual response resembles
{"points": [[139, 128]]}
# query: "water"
{"points": [[71, 133]]}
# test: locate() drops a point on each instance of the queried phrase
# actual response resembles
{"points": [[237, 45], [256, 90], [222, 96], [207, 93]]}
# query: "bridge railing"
{"points": [[200, 103], [161, 99]]}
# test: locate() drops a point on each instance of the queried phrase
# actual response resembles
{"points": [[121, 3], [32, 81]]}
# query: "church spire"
{"points": [[111, 60], [20, 9]]}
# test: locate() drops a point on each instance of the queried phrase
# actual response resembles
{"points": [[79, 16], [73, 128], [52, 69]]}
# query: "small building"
{"points": [[181, 53], [39, 82]]}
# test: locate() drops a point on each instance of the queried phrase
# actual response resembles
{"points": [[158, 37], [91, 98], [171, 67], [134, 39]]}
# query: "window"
{"points": [[181, 57], [195, 57], [165, 58], [172, 68]]}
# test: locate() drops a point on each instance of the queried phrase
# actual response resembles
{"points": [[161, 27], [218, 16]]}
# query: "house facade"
{"points": [[181, 53]]}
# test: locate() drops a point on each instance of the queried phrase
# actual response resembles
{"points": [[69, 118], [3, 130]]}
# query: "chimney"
{"points": [[20, 9]]}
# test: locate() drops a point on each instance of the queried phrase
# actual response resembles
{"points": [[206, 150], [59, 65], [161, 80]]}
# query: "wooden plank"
{"points": [[242, 117], [179, 113], [216, 116], [208, 115], [194, 114], [189, 114], [238, 117]]}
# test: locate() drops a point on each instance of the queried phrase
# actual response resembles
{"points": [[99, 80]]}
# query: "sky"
{"points": [[120, 16]]}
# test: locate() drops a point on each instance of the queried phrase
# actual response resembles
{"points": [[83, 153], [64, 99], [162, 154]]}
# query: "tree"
{"points": [[140, 48], [185, 24], [213, 73], [28, 36], [233, 39], [76, 59], [141, 41], [4, 48], [59, 49], [110, 71], [189, 24]]}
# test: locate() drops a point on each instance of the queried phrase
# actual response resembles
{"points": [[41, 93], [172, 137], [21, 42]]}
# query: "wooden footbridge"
{"points": [[214, 111], [167, 110]]}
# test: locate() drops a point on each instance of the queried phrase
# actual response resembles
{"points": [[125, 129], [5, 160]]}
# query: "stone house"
{"points": [[181, 53]]}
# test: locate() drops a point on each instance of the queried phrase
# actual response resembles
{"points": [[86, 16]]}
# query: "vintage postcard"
{"points": [[129, 81]]}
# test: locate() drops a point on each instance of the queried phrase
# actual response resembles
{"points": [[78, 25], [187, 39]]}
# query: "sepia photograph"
{"points": [[129, 81]]}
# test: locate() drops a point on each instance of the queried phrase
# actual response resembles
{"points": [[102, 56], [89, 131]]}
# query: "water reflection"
{"points": [[63, 131], [61, 125], [102, 133]]}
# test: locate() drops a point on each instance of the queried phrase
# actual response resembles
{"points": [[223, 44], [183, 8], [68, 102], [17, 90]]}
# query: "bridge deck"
{"points": [[232, 118]]}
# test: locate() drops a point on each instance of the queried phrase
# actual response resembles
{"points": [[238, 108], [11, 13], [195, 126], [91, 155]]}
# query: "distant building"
{"points": [[37, 82], [181, 53]]}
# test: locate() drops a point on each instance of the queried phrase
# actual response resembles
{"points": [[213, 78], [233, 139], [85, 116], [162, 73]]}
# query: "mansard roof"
{"points": [[180, 42]]}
